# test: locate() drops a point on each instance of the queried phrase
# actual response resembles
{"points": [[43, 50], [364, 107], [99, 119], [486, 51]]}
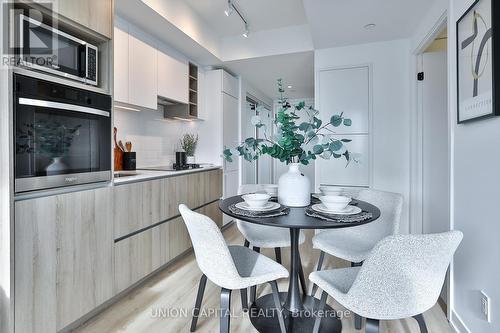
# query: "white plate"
{"points": [[269, 206], [349, 210]]}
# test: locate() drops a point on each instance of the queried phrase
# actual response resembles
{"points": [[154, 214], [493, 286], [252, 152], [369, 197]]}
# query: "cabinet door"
{"points": [[64, 258], [133, 259], [121, 59], [94, 14], [230, 84], [138, 206], [230, 127], [173, 77], [179, 240], [142, 74]]}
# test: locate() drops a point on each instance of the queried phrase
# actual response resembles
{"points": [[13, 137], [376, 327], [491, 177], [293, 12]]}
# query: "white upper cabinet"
{"points": [[121, 75], [173, 80], [230, 84], [143, 71]]}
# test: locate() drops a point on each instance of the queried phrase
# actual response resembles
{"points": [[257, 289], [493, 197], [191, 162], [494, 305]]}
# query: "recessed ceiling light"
{"points": [[370, 26], [290, 87]]}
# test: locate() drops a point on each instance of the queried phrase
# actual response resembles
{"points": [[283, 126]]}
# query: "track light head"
{"points": [[247, 31], [229, 9]]}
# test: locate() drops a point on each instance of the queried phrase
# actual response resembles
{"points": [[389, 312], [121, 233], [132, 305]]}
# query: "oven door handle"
{"points": [[62, 106]]}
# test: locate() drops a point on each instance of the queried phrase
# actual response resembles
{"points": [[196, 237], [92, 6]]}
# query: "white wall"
{"points": [[153, 138], [475, 195], [390, 62]]}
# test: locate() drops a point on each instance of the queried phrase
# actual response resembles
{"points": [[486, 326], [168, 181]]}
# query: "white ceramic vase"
{"points": [[56, 166], [294, 188]]}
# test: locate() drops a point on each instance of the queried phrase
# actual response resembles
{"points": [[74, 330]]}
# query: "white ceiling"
{"points": [[296, 69], [341, 22], [261, 14]]}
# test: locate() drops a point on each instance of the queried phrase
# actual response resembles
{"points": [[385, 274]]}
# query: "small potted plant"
{"points": [[188, 144]]}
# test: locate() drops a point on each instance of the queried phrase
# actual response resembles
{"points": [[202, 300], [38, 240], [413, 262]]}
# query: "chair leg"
{"points": [[372, 326], [225, 308], [421, 323], [244, 299], [318, 268], [358, 322], [277, 303], [277, 251], [321, 307], [302, 278], [253, 290], [247, 243], [199, 299]]}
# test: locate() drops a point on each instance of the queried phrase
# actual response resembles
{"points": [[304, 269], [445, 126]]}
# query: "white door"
{"points": [[435, 167], [346, 90]]}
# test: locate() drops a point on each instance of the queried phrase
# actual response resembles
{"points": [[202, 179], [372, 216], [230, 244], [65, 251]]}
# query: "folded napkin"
{"points": [[282, 210]]}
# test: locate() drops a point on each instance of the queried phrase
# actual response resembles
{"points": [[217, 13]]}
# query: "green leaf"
{"points": [[336, 120], [317, 122], [304, 127], [227, 155], [318, 149], [347, 122], [311, 134], [336, 145], [300, 106]]}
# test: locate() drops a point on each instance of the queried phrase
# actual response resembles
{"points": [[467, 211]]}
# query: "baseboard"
{"points": [[457, 324]]}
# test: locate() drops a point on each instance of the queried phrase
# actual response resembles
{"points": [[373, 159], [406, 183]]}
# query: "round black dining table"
{"points": [[299, 310]]}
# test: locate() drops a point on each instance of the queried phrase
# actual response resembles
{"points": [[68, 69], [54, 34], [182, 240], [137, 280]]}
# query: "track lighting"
{"points": [[229, 9]]}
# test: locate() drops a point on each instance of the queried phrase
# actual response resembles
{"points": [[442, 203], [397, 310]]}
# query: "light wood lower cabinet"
{"points": [[143, 204], [63, 258], [141, 254], [68, 255]]}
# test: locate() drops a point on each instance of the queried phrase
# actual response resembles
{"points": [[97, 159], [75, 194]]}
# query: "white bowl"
{"points": [[271, 189], [331, 190], [335, 203], [256, 200]]}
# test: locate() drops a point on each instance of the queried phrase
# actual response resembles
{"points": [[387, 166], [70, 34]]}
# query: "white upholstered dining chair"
{"points": [[264, 237], [229, 267], [401, 278], [354, 244]]}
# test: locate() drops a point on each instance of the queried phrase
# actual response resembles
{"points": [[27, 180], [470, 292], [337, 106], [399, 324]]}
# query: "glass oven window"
{"points": [[54, 142]]}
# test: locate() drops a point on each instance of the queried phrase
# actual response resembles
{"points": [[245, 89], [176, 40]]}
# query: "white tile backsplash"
{"points": [[154, 138]]}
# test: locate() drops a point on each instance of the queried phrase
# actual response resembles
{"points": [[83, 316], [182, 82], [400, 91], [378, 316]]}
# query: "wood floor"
{"points": [[158, 305]]}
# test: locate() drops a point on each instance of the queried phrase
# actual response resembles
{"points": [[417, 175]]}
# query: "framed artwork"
{"points": [[477, 67]]}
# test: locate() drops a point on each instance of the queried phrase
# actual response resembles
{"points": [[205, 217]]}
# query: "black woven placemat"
{"points": [[282, 210], [360, 217]]}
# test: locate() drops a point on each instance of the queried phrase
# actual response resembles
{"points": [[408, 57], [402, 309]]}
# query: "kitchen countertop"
{"points": [[145, 175]]}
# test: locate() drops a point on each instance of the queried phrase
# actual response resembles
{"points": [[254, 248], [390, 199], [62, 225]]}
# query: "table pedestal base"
{"points": [[264, 317]]}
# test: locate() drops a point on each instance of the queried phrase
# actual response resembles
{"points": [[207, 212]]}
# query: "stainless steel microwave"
{"points": [[51, 50], [62, 135]]}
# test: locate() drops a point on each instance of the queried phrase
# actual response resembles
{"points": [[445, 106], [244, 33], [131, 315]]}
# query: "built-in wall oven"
{"points": [[62, 135]]}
